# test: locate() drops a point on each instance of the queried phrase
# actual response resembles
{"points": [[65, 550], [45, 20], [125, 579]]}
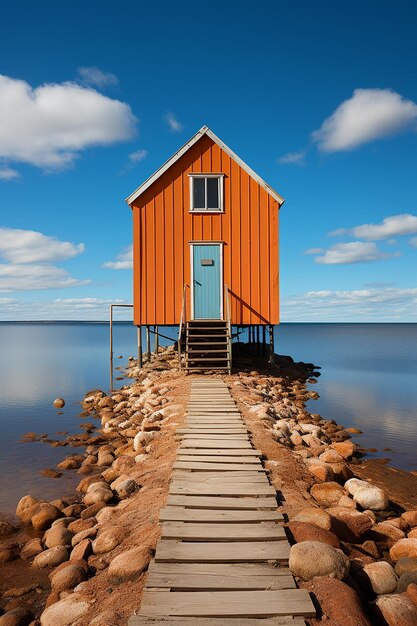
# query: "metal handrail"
{"points": [[183, 318], [229, 326]]}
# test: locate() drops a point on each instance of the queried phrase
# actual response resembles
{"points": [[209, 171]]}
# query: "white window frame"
{"points": [[220, 178]]}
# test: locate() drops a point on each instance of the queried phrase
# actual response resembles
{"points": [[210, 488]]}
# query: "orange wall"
{"points": [[163, 228]]}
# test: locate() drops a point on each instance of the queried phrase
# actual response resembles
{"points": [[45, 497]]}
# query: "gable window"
{"points": [[206, 192]]}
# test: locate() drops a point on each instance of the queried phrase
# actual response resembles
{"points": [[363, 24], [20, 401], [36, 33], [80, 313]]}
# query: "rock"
{"points": [[59, 403], [314, 515], [312, 558], [348, 524], [49, 472], [98, 492], [108, 540], [31, 549], [69, 463], [45, 514], [81, 524], [302, 531], [412, 593], [366, 495], [6, 528], [331, 456], [88, 533], [123, 463], [86, 482], [8, 553], [18, 592], [81, 551], [410, 517], [131, 564], [142, 440], [339, 603], [73, 510], [353, 484], [327, 494], [125, 488], [68, 578], [57, 536], [342, 471], [52, 557], [403, 548], [322, 471], [384, 531], [412, 534], [406, 564], [19, 616], [92, 510], [26, 507], [381, 577], [344, 448], [397, 610], [65, 612], [104, 458], [408, 578]]}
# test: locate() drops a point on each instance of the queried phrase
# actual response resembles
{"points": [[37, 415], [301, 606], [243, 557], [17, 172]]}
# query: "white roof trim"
{"points": [[203, 131]]}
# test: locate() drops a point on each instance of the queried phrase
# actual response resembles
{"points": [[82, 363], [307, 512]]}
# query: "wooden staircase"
{"points": [[208, 346]]}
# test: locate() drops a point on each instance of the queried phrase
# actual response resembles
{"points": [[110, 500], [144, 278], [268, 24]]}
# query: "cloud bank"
{"points": [[393, 226], [124, 260]]}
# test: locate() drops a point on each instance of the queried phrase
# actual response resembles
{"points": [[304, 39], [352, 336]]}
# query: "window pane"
{"points": [[199, 193], [213, 193]]}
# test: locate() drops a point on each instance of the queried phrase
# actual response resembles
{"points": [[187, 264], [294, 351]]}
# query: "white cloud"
{"points": [[97, 77], [30, 246], [62, 309], [295, 158], [48, 126], [352, 252], [413, 242], [368, 305], [368, 115], [138, 155], [124, 260], [314, 251], [15, 277], [7, 173], [174, 125], [402, 224]]}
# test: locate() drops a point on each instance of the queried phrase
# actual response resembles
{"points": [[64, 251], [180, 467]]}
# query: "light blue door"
{"points": [[206, 282]]}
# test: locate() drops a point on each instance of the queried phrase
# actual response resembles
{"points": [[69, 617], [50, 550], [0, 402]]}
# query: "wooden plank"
{"points": [[218, 467], [139, 620], [181, 514], [216, 437], [208, 478], [216, 452], [228, 603], [214, 430], [181, 581], [172, 551], [205, 502], [224, 460], [215, 444], [185, 531], [220, 569], [182, 487]]}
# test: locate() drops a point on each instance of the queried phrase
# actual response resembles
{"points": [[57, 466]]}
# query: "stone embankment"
{"points": [[81, 560]]}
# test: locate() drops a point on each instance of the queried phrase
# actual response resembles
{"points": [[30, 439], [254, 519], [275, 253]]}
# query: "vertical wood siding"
{"points": [[163, 227]]}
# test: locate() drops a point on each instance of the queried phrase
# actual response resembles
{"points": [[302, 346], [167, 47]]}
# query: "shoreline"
{"points": [[139, 421]]}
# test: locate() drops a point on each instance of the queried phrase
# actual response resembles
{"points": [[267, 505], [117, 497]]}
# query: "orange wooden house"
{"points": [[205, 250]]}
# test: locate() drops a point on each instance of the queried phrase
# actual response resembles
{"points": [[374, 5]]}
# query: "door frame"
{"points": [[220, 245]]}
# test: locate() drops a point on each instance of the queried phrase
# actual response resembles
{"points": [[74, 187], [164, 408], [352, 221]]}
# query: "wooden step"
{"points": [[190, 488], [181, 514], [139, 620], [223, 503], [170, 551], [261, 531]]}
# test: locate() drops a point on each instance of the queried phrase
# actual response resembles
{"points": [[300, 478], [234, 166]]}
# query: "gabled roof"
{"points": [[205, 130]]}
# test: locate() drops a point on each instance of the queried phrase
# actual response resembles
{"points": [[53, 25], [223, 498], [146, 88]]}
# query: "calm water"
{"points": [[369, 380]]}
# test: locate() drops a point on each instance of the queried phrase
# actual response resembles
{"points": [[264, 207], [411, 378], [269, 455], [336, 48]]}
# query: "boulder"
{"points": [[406, 564], [65, 612], [126, 487], [108, 540], [85, 483], [45, 514], [408, 578], [314, 515], [26, 507], [412, 593], [88, 533], [92, 510], [57, 536], [19, 616], [403, 548], [321, 471], [98, 492], [349, 524], [130, 564], [59, 403], [342, 471], [52, 557], [410, 517], [366, 495], [344, 448], [68, 578], [339, 603], [384, 531], [331, 456], [313, 558], [31, 549], [302, 531], [123, 463], [381, 577], [397, 609], [353, 484], [81, 524], [81, 551], [327, 494]]}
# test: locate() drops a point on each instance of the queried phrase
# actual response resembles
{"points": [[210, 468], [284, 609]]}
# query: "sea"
{"points": [[368, 381]]}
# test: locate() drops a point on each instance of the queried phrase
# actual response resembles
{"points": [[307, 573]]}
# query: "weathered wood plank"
{"points": [[263, 531], [228, 603], [139, 620], [216, 437], [230, 444], [220, 430], [220, 452], [181, 514], [201, 582], [209, 477], [207, 502], [219, 467], [172, 551], [220, 569], [220, 489], [183, 457]]}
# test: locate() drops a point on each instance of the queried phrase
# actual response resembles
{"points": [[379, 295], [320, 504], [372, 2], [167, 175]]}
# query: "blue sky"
{"points": [[319, 98]]}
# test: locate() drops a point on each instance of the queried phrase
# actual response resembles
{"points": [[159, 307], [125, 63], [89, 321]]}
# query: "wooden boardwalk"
{"points": [[223, 554]]}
